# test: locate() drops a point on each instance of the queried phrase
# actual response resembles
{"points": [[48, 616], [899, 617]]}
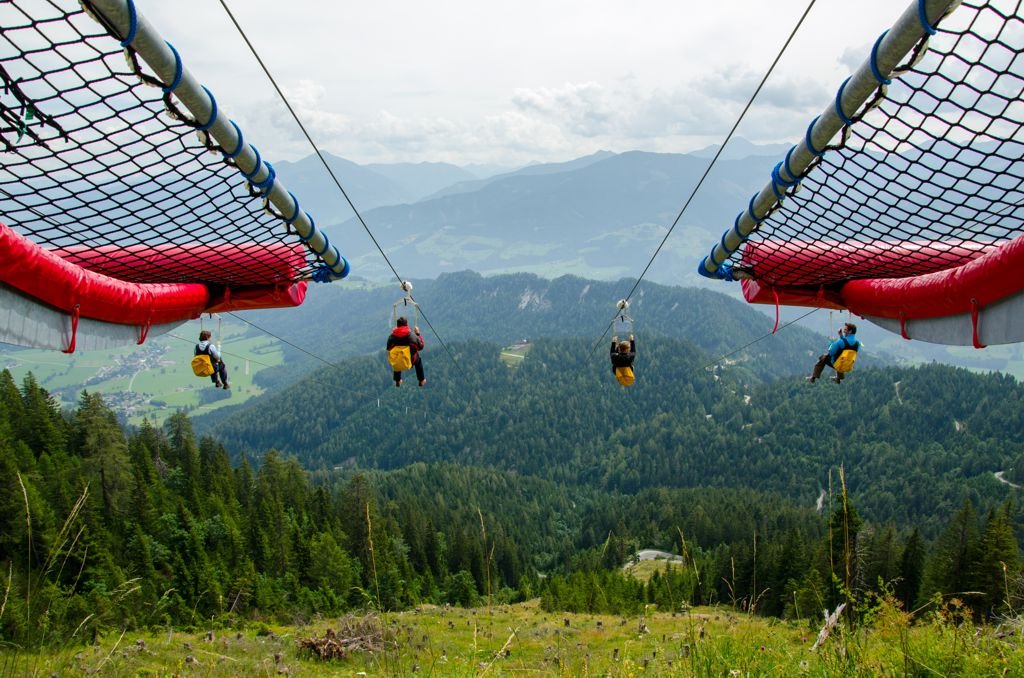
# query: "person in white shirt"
{"points": [[220, 370]]}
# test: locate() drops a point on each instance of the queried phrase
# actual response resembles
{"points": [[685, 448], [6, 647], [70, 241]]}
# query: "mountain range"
{"points": [[601, 216]]}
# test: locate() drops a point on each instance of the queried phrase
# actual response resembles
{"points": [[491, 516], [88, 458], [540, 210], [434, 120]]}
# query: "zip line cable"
{"points": [[268, 332], [763, 336], [438, 336], [309, 138], [721, 148], [323, 160], [711, 165]]}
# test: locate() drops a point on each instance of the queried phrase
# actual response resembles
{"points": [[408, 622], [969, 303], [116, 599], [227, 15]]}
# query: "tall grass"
{"points": [[490, 554], [28, 553], [40, 588], [705, 641]]}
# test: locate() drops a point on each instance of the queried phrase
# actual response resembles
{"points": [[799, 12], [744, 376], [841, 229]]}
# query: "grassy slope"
{"points": [[523, 639]]}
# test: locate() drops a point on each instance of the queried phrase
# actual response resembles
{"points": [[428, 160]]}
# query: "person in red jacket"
{"points": [[401, 337]]}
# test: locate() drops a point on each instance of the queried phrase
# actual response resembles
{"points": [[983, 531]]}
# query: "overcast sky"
{"points": [[508, 83]]}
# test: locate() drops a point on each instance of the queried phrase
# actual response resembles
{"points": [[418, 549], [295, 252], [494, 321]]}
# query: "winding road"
{"points": [[999, 476]]}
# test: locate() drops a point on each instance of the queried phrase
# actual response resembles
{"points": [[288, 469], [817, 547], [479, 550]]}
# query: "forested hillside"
{"points": [[914, 441], [104, 529]]}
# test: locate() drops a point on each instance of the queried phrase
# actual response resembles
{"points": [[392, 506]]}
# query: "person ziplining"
{"points": [[404, 351], [404, 347], [840, 355], [213, 366], [623, 353]]}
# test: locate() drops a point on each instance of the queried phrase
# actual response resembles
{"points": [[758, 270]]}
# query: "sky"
{"points": [[472, 82]]}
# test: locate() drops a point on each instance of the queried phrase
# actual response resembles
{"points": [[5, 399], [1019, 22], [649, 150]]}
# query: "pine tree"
{"points": [[244, 483], [365, 540], [184, 455], [881, 558], [844, 527], [331, 569], [106, 462], [12, 411], [948, 567], [13, 523], [270, 528], [215, 473], [995, 564], [42, 427], [911, 571], [142, 455]]}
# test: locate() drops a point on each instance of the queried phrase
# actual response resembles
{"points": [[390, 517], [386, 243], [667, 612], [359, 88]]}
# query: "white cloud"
{"points": [[587, 109], [476, 82]]}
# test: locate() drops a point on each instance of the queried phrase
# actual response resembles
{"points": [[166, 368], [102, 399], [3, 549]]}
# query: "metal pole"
{"points": [[894, 45], [167, 66]]}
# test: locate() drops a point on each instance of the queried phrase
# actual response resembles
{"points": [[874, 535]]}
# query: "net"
{"points": [[101, 162], [926, 176]]}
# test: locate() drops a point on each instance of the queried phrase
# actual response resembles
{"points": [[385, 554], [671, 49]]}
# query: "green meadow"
{"points": [[513, 356], [523, 639], [154, 380]]}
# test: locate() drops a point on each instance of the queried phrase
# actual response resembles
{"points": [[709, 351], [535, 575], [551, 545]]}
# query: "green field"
{"points": [[522, 639], [153, 380], [645, 569], [513, 356]]}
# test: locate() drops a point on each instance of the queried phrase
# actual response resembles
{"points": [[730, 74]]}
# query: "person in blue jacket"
{"points": [[847, 340]]}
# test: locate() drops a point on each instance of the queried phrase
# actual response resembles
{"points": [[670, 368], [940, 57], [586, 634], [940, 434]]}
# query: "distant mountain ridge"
{"points": [[369, 186], [600, 216], [540, 168], [423, 179], [739, 148], [600, 220]]}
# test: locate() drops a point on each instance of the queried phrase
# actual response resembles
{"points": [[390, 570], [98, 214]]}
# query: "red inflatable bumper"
{"points": [[984, 274], [65, 285]]}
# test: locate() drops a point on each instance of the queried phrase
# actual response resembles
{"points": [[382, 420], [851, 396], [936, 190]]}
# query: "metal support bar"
{"points": [[161, 58], [890, 50]]}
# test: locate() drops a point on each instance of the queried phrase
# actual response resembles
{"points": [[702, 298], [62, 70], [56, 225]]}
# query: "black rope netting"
{"points": [[929, 172], [100, 164]]}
